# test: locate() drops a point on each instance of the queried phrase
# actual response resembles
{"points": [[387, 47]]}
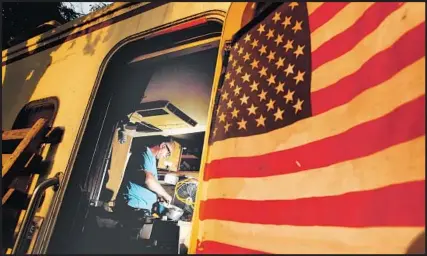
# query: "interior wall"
{"points": [[119, 159]]}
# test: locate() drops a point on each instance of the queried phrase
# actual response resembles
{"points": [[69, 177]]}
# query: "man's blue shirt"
{"points": [[135, 195]]}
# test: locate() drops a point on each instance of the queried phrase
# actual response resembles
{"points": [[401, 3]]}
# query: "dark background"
{"points": [[21, 19]]}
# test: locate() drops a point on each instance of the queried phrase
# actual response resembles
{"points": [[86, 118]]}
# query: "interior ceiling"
{"points": [[186, 82]]}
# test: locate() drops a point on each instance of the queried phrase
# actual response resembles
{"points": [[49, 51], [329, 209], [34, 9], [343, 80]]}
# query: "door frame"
{"points": [[47, 229]]}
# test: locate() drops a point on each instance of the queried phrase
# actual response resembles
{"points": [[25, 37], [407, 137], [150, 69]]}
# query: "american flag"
{"points": [[267, 80], [318, 133]]}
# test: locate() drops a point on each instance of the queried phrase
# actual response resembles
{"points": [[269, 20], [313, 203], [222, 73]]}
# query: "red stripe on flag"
{"points": [[393, 206], [346, 40], [378, 69], [324, 13], [211, 247], [405, 123]]}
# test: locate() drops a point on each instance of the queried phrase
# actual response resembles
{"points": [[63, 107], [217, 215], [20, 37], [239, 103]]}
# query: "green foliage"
{"points": [[20, 19], [97, 6]]}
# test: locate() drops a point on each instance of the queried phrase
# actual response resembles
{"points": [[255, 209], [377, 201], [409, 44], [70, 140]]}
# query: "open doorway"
{"points": [[175, 104], [154, 89]]}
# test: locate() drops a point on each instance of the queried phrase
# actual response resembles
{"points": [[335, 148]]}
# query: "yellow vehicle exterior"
{"points": [[71, 71]]}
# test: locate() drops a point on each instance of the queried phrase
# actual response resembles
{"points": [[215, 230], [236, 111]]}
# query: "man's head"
{"points": [[162, 147], [165, 150]]}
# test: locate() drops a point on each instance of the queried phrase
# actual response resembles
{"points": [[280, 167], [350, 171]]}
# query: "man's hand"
{"points": [[165, 198]]}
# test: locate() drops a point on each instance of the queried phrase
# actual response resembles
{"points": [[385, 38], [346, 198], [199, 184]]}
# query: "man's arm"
{"points": [[150, 182]]}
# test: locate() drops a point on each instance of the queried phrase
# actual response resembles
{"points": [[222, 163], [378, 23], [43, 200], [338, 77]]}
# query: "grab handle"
{"points": [[32, 207]]}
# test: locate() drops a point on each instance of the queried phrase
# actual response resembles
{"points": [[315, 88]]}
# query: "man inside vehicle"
{"points": [[140, 189]]}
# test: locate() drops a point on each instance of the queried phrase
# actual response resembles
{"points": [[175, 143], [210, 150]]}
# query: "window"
{"points": [[34, 110]]}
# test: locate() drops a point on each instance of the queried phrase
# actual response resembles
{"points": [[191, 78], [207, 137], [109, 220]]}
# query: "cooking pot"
{"points": [[173, 212]]}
